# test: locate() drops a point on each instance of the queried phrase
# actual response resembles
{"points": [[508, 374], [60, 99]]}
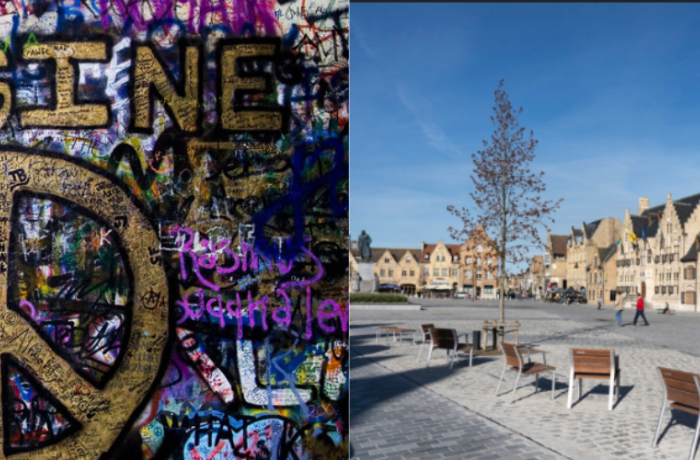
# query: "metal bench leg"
{"points": [[430, 352], [454, 352], [571, 389], [537, 382], [580, 388], [515, 387], [554, 382], [611, 391], [470, 357], [421, 350], [658, 425], [501, 379], [695, 441]]}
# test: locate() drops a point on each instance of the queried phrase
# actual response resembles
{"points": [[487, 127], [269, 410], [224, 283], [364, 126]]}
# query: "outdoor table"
{"points": [[394, 330], [494, 326]]}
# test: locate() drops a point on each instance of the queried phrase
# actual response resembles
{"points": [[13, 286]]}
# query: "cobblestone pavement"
{"points": [[394, 418], [587, 431]]}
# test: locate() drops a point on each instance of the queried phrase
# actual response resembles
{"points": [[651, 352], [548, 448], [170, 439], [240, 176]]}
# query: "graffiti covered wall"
{"points": [[174, 229]]}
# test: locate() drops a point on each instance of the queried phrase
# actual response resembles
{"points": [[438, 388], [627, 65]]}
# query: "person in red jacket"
{"points": [[640, 312]]}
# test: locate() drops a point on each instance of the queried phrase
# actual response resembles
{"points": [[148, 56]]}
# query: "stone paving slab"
{"points": [[588, 430], [392, 417]]}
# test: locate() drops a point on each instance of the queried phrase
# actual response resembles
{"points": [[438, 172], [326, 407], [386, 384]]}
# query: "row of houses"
{"points": [[437, 269], [653, 253]]}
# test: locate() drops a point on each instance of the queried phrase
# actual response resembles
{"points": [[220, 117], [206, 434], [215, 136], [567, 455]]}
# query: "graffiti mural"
{"points": [[174, 229]]}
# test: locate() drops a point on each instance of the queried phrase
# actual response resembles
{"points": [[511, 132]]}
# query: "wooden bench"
{"points": [[447, 339], [593, 364], [394, 330], [682, 392], [513, 357]]}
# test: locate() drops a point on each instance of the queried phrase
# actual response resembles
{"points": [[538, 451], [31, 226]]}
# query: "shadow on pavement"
{"points": [[678, 417], [601, 389], [366, 392]]}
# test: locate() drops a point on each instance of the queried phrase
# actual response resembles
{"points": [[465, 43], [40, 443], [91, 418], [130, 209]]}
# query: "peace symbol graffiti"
{"points": [[78, 360]]}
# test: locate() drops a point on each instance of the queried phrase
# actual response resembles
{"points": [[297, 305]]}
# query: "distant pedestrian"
{"points": [[640, 312], [619, 308], [667, 311], [600, 303]]}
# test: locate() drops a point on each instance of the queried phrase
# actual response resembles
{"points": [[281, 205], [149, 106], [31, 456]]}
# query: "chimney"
{"points": [[643, 205]]}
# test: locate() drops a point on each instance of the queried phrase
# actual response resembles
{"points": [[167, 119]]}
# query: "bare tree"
{"points": [[506, 194]]}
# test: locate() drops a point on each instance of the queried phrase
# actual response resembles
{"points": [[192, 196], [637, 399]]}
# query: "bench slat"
{"points": [[683, 397], [685, 408], [677, 375], [588, 368], [682, 386], [590, 352]]}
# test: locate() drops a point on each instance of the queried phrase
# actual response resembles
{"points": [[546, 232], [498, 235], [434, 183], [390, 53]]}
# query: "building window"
{"points": [[436, 271], [675, 276], [488, 289], [413, 273], [382, 273], [546, 258], [479, 248], [386, 260], [469, 260], [468, 274], [455, 272], [478, 260], [668, 276], [488, 276], [403, 273], [426, 271], [455, 258], [391, 273], [408, 260], [427, 257], [444, 272], [478, 274], [649, 256]]}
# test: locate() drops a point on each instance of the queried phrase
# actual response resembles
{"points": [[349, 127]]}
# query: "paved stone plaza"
{"points": [[400, 409]]}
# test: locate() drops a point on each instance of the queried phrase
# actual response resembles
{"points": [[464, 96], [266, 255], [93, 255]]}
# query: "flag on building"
{"points": [[632, 236], [619, 238], [644, 236]]}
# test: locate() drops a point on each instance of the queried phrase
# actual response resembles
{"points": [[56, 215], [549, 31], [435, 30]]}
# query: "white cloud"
{"points": [[432, 131]]}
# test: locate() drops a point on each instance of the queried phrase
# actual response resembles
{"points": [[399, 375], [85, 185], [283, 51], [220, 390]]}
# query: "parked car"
{"points": [[460, 295]]}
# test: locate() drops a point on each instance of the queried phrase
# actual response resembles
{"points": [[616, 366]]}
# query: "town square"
{"points": [[525, 232]]}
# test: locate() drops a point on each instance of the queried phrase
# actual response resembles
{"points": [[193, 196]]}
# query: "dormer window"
{"points": [[386, 260], [427, 257], [408, 260]]}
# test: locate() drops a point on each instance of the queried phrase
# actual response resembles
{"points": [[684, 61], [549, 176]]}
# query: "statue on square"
{"points": [[363, 242]]}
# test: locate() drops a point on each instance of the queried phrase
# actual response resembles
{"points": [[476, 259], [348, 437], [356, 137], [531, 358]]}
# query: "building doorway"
{"points": [[408, 289], [478, 292], [644, 289]]}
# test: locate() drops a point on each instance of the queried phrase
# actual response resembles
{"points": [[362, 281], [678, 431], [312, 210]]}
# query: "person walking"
{"points": [[600, 303], [640, 312], [619, 308]]}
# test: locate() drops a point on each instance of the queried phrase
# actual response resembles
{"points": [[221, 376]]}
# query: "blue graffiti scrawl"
{"points": [[174, 229]]}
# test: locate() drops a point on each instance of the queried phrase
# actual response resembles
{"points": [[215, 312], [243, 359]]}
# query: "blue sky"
{"points": [[611, 91]]}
